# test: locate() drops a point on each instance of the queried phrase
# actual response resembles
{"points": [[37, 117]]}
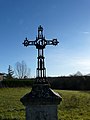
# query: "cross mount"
{"points": [[40, 44]]}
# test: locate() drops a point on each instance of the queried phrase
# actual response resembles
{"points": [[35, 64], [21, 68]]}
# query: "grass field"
{"points": [[74, 106]]}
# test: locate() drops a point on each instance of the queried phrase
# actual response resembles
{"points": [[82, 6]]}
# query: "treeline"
{"points": [[63, 83]]}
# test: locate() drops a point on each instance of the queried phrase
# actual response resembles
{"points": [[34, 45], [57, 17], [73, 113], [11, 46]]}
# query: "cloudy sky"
{"points": [[66, 20]]}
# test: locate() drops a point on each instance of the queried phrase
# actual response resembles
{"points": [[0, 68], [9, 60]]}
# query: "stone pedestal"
{"points": [[41, 103], [41, 112]]}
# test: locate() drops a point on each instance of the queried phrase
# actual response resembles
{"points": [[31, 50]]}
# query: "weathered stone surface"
{"points": [[41, 112], [41, 94]]}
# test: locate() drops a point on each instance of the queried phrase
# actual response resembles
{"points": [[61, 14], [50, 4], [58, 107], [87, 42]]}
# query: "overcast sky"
{"points": [[66, 20]]}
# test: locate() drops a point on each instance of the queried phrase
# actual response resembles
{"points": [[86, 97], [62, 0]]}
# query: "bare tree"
{"points": [[21, 70]]}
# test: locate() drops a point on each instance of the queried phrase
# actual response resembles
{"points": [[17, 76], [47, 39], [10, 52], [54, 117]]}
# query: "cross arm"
{"points": [[52, 42], [27, 42]]}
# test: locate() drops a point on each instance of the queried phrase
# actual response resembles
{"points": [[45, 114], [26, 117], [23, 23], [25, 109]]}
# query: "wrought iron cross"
{"points": [[40, 44]]}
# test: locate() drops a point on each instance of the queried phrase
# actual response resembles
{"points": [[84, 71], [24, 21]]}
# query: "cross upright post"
{"points": [[40, 44]]}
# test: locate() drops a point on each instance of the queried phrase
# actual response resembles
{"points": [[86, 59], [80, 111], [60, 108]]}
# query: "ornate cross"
{"points": [[40, 44]]}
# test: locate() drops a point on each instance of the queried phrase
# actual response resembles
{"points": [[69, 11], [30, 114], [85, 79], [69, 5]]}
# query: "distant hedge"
{"points": [[63, 83], [70, 83], [17, 83]]}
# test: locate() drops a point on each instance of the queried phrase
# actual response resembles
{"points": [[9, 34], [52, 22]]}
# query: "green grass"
{"points": [[75, 105]]}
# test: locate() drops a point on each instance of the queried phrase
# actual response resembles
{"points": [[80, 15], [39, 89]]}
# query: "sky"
{"points": [[66, 20]]}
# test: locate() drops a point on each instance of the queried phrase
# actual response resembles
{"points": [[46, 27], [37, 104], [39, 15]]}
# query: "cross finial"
{"points": [[40, 28]]}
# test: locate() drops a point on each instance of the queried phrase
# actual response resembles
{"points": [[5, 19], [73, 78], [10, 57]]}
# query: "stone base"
{"points": [[41, 103], [41, 112]]}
